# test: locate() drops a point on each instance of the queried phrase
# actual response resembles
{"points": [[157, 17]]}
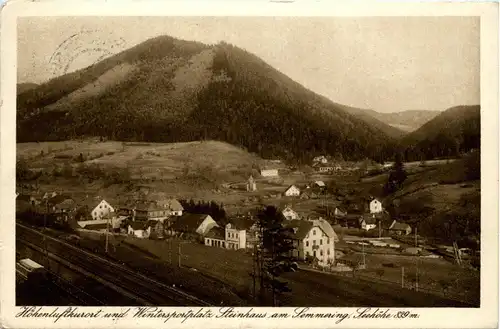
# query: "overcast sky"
{"points": [[387, 64]]}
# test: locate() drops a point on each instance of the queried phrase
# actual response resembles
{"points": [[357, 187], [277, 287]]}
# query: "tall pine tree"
{"points": [[274, 254]]}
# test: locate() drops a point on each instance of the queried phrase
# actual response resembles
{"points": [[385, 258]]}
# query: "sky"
{"points": [[388, 64]]}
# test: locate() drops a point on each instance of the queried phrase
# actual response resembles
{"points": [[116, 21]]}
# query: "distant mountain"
{"points": [[22, 87], [169, 90], [454, 131], [375, 119], [406, 121]]}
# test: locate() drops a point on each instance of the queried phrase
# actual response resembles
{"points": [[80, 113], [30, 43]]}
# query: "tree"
{"points": [[273, 254], [22, 170], [397, 176]]}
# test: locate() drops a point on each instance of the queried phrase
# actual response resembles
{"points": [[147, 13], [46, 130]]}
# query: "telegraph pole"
{"points": [[107, 233], [179, 255], [402, 277]]}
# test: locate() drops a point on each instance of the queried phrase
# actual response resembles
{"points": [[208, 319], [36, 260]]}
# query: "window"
{"points": [[328, 251], [307, 243], [321, 252], [100, 207], [314, 242], [314, 232], [236, 235], [321, 241], [327, 240], [105, 206], [314, 253], [307, 253]]}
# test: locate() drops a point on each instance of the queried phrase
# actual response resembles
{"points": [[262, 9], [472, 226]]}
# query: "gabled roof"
{"points": [[369, 219], [59, 198], [188, 222], [327, 228], [241, 223], [320, 183], [24, 197], [398, 226], [137, 225], [301, 227], [216, 233], [171, 204], [289, 187]]}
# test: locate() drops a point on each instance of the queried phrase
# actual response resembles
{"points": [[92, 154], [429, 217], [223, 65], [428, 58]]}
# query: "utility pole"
{"points": [[179, 255], [402, 277], [379, 230], [107, 233], [363, 248]]}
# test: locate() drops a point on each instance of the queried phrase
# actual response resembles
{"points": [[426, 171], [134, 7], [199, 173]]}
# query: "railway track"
{"points": [[149, 291]]}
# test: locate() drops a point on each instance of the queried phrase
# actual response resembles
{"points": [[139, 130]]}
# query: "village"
{"points": [[337, 240]]}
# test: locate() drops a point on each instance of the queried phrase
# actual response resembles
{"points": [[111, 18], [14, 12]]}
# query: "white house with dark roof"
{"points": [[375, 206], [103, 208], [314, 238], [289, 213], [292, 190]]}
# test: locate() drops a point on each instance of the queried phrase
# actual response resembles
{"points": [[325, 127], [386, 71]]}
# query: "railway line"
{"points": [[146, 291]]}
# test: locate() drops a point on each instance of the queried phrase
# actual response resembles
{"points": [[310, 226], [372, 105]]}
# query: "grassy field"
{"points": [[234, 267]]}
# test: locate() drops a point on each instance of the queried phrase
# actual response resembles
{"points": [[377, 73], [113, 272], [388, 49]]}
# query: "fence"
{"points": [[458, 297]]}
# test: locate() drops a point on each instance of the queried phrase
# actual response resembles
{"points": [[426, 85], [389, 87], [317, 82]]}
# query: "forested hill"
{"points": [[169, 90], [456, 130]]}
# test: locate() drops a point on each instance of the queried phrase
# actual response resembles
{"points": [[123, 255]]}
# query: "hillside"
{"points": [[168, 90], [22, 87], [376, 119], [442, 200], [454, 131]]}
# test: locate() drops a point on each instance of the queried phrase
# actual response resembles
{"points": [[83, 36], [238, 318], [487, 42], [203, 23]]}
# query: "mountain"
{"points": [[370, 117], [401, 122], [22, 87], [456, 130], [169, 90]]}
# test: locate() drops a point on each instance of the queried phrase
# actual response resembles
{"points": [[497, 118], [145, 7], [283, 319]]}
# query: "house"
{"points": [[25, 202], [292, 191], [139, 229], [192, 224], [103, 208], [144, 210], [399, 228], [375, 206], [319, 184], [63, 206], [269, 172], [352, 220], [320, 159], [251, 186], [216, 237], [368, 222], [312, 239], [236, 233], [289, 213], [173, 206], [339, 212]]}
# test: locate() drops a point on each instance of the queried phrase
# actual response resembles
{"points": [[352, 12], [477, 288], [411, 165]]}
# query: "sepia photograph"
{"points": [[252, 161]]}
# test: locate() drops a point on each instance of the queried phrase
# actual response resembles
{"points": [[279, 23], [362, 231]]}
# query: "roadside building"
{"points": [[139, 229], [103, 208], [311, 239], [62, 206], [236, 229], [319, 184], [216, 237], [251, 186], [292, 190], [192, 225]]}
